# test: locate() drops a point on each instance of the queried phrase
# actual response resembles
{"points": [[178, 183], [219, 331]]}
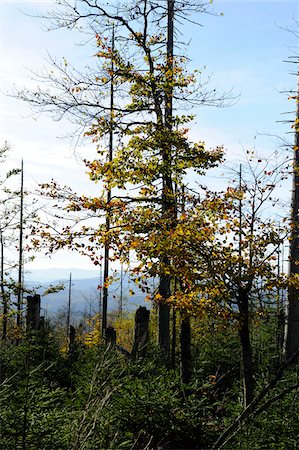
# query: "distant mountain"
{"points": [[85, 292], [48, 275]]}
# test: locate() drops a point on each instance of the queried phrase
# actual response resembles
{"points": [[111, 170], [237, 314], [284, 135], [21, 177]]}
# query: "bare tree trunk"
{"points": [[20, 271], [68, 317], [292, 338], [173, 342], [110, 157], [72, 341], [168, 201], [243, 304], [164, 316], [186, 365], [247, 365], [280, 316], [4, 294]]}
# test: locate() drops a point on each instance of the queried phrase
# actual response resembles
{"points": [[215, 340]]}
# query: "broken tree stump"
{"points": [[110, 335], [33, 312], [141, 332]]}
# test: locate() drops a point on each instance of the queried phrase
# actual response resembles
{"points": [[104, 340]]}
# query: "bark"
{"points": [[247, 365], [110, 336], [109, 195], [4, 294], [72, 341], [20, 269], [185, 337], [292, 339], [68, 319], [164, 316], [33, 312], [280, 335], [168, 201], [141, 332], [173, 342]]}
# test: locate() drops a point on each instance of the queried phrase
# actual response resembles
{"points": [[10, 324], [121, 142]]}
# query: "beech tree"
{"points": [[224, 251], [152, 151]]}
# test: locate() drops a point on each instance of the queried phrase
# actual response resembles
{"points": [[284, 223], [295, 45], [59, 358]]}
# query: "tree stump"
{"points": [[33, 312], [110, 335], [141, 332]]}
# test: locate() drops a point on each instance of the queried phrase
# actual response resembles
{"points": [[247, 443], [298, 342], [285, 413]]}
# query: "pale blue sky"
{"points": [[244, 49]]}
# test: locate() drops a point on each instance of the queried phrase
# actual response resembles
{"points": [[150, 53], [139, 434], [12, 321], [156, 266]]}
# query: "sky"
{"points": [[243, 49]]}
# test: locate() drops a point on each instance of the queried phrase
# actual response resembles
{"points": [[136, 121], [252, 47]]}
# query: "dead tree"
{"points": [[20, 268], [292, 339]]}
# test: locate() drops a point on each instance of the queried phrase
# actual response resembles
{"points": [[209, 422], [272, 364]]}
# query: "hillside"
{"points": [[85, 291]]}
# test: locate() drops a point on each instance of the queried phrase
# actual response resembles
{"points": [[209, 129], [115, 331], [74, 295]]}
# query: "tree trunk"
{"points": [[72, 341], [164, 316], [173, 342], [280, 315], [109, 196], [185, 338], [4, 294], [292, 338], [168, 201], [110, 336], [141, 332], [247, 366], [20, 269], [33, 312]]}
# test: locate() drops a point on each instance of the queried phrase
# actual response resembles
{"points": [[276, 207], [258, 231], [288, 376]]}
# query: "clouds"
{"points": [[244, 49]]}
